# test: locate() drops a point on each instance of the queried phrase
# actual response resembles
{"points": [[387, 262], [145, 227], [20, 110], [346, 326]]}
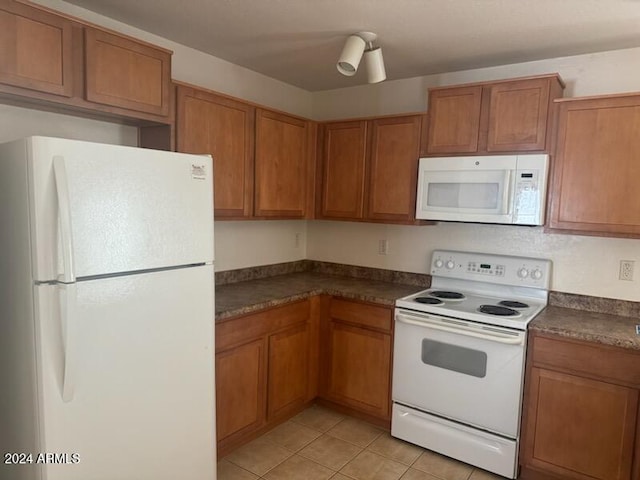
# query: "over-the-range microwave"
{"points": [[508, 189]]}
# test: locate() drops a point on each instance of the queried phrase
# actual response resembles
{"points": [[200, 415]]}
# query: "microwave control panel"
{"points": [[527, 195]]}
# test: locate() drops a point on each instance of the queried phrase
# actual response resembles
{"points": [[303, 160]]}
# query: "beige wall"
{"points": [[581, 264], [587, 265]]}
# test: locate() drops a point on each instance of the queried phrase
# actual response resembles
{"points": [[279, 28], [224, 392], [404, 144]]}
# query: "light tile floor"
{"points": [[320, 444]]}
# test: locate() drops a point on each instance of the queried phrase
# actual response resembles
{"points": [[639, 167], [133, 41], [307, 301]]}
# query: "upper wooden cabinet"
{"points": [[580, 411], [343, 162], [594, 183], [121, 72], [455, 119], [393, 168], [505, 116], [224, 128], [261, 159], [281, 165], [36, 49], [55, 61], [369, 169]]}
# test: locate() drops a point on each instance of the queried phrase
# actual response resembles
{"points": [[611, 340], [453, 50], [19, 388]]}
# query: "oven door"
{"points": [[464, 371]]}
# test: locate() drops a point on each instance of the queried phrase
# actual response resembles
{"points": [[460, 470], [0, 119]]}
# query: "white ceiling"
{"points": [[299, 41]]}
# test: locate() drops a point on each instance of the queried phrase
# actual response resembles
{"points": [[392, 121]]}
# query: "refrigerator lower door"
{"points": [[136, 355]]}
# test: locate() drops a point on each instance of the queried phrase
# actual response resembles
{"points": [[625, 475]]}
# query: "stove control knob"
{"points": [[536, 274], [438, 263], [523, 273], [450, 265]]}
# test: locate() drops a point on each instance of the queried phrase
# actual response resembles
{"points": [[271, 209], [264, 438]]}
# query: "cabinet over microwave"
{"points": [[507, 189]]}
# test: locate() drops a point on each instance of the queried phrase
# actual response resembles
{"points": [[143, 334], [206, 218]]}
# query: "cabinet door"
{"points": [[343, 161], [36, 49], [121, 72], [518, 115], [393, 168], [288, 370], [223, 128], [596, 167], [454, 122], [281, 165], [240, 388], [578, 427], [359, 368]]}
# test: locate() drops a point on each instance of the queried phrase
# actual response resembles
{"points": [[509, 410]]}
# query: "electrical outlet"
{"points": [[297, 240], [383, 247], [626, 270]]}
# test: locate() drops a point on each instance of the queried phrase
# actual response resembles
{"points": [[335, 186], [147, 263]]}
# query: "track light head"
{"points": [[355, 47], [351, 55]]}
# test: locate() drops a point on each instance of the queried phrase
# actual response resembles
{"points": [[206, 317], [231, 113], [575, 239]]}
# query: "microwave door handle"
{"points": [[506, 193]]}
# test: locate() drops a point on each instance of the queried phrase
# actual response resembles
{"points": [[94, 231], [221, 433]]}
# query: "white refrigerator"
{"points": [[106, 313]]}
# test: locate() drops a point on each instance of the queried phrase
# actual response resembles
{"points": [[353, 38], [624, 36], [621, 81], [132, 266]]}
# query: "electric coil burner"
{"points": [[429, 300], [498, 310], [447, 295], [459, 354]]}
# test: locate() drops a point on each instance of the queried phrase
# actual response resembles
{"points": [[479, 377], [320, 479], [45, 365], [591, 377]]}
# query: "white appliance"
{"points": [[107, 311], [509, 189], [459, 356]]}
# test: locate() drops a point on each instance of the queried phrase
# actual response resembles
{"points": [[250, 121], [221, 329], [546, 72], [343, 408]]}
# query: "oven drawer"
{"points": [[485, 450]]}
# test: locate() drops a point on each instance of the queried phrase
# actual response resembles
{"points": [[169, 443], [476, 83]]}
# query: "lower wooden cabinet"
{"points": [[357, 357], [240, 387], [580, 422], [272, 363], [288, 370], [264, 365]]}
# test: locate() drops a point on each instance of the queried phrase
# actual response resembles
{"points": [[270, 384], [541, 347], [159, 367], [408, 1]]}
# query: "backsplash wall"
{"points": [[581, 264]]}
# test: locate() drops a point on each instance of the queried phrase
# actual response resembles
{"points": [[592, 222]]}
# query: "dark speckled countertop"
{"points": [[607, 329], [592, 319], [245, 297]]}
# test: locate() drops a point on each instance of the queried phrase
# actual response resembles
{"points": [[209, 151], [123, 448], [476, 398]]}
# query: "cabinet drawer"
{"points": [[362, 314], [596, 361], [241, 329]]}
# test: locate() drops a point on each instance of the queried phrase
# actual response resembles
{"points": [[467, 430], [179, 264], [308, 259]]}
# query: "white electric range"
{"points": [[459, 353]]}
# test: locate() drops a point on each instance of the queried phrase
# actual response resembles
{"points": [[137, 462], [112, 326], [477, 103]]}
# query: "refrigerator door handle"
{"points": [[64, 209], [69, 319]]}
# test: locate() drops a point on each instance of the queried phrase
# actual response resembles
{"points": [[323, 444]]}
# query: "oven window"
{"points": [[463, 195], [455, 358]]}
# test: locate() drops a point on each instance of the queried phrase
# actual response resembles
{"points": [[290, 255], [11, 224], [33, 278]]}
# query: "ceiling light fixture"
{"points": [[355, 47]]}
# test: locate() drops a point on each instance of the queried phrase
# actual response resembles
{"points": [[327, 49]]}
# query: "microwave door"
{"points": [[472, 196]]}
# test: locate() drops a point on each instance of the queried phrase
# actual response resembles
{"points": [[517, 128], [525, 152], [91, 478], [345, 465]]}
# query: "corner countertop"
{"points": [[568, 315], [602, 328], [240, 298]]}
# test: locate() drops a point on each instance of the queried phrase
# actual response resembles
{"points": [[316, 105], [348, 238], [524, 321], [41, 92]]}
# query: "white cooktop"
{"points": [[485, 280]]}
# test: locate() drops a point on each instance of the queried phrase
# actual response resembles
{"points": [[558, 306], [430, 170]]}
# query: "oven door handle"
{"points": [[493, 337]]}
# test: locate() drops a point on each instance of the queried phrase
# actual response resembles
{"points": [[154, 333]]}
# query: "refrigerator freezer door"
{"points": [[130, 209], [143, 402]]}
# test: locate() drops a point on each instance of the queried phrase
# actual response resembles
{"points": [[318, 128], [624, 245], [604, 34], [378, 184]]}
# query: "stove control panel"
{"points": [[500, 269]]}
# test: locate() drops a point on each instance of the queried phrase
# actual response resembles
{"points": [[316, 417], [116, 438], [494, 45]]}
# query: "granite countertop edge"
{"points": [[586, 326]]}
